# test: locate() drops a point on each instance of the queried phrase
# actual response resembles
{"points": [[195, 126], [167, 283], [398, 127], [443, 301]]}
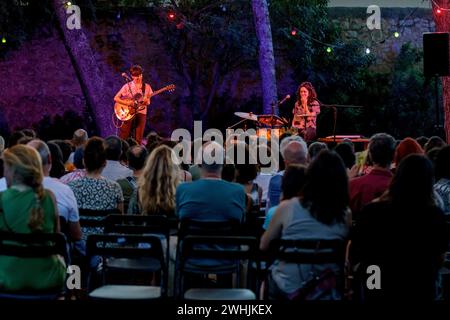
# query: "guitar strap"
{"points": [[143, 88]]}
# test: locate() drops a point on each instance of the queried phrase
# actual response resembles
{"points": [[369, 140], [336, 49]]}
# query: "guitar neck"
{"points": [[157, 92]]}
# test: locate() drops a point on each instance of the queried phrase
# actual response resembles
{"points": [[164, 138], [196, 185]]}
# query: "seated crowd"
{"points": [[388, 205]]}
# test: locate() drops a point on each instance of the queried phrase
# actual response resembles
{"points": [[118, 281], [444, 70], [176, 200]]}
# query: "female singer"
{"points": [[305, 111]]}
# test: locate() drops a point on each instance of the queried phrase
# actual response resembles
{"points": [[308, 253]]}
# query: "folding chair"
{"points": [[311, 251], [190, 227], [95, 218], [157, 225], [33, 245], [234, 248], [129, 247]]}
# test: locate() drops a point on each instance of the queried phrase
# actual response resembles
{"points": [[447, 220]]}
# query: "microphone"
{"points": [[125, 76], [284, 99]]}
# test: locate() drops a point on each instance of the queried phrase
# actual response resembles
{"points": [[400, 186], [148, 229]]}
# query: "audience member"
{"points": [[94, 191], [294, 151], [114, 170], [404, 224], [442, 168], [26, 207], [372, 185], [156, 186], [320, 214]]}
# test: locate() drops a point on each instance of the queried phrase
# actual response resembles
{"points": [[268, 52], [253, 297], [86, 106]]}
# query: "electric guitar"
{"points": [[125, 112]]}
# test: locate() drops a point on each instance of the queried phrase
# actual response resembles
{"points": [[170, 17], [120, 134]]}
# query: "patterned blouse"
{"points": [[442, 187], [300, 119], [96, 194]]}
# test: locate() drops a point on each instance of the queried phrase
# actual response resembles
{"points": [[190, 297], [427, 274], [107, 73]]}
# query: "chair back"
{"points": [[209, 227], [137, 224], [128, 247], [308, 251], [231, 250], [95, 218], [33, 245]]}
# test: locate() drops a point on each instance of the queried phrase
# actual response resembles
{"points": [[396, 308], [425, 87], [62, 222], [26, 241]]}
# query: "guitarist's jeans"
{"points": [[126, 130]]}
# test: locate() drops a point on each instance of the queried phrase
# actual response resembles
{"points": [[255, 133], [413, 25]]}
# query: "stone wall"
{"points": [[410, 23], [36, 81]]}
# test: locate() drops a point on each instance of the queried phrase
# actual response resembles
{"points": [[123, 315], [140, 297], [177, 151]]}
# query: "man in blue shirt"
{"points": [[210, 197]]}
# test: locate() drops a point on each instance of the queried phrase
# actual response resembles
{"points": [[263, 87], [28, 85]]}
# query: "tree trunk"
{"points": [[212, 92], [266, 56], [88, 72], [442, 21]]}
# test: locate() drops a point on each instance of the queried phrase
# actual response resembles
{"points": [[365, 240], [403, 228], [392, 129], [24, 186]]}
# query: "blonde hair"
{"points": [[158, 182], [26, 166]]}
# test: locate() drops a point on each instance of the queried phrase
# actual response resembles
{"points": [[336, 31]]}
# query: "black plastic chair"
{"points": [[129, 247], [33, 245], [192, 227], [94, 218], [157, 225], [233, 248], [311, 251]]}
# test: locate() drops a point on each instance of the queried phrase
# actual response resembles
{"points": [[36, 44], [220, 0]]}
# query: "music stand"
{"points": [[335, 107]]}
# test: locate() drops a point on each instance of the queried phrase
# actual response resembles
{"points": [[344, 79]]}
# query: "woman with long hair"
{"points": [[157, 184], [25, 207], [305, 111], [404, 234], [321, 213]]}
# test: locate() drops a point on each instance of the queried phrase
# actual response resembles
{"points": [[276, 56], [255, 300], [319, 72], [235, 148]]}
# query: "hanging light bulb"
{"points": [[171, 16]]}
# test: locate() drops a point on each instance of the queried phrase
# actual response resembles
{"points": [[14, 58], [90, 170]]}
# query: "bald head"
{"points": [[295, 152], [44, 153]]}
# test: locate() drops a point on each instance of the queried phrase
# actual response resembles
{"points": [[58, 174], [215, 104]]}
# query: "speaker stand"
{"points": [[438, 128]]}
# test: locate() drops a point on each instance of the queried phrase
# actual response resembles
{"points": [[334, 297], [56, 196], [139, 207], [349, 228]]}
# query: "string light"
{"points": [[171, 16], [439, 9], [396, 34], [293, 32], [367, 50], [329, 50], [3, 40]]}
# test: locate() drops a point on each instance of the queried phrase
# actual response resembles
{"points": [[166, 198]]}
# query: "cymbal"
{"points": [[248, 116]]}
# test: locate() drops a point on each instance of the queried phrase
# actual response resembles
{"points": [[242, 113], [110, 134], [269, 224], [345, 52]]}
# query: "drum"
{"points": [[267, 133]]}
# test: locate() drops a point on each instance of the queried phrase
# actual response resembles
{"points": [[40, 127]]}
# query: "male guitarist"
{"points": [[136, 95]]}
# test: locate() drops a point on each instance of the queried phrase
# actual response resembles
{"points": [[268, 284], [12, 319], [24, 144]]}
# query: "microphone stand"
{"points": [[335, 107]]}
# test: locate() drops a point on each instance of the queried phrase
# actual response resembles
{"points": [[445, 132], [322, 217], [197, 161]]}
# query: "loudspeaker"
{"points": [[436, 54]]}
